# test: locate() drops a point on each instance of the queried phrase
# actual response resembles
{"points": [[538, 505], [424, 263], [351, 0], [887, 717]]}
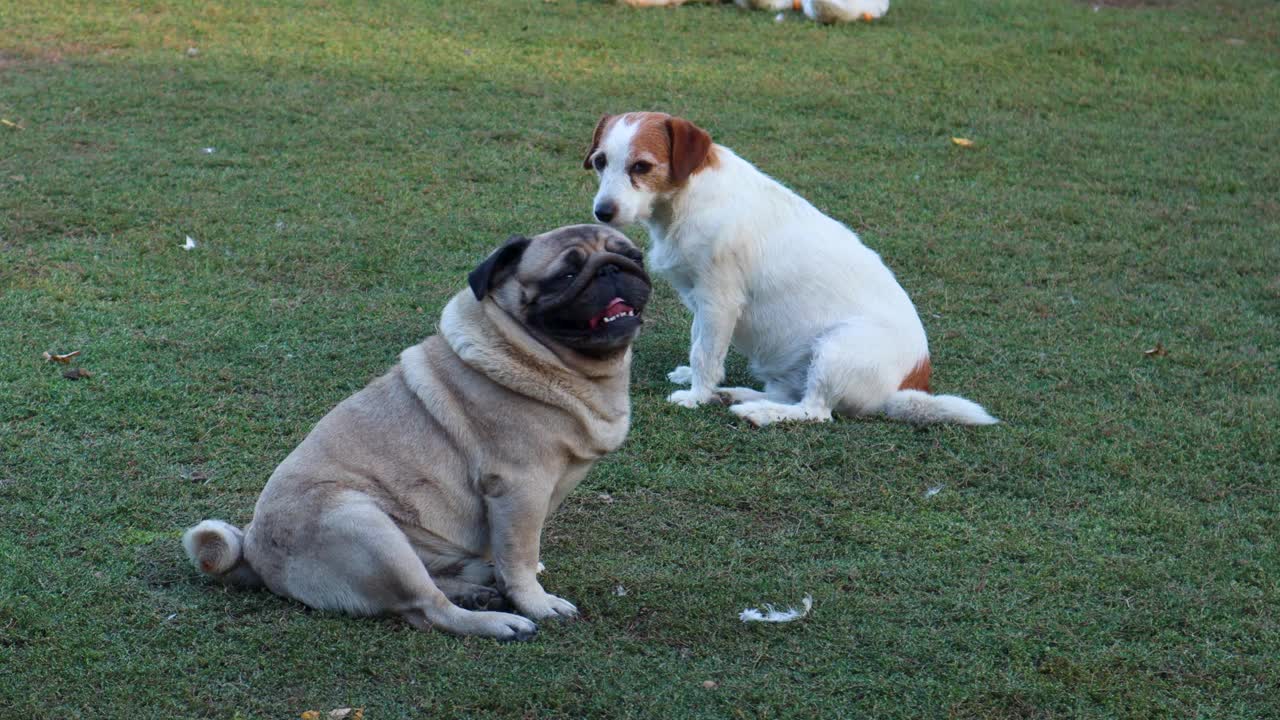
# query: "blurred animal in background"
{"points": [[823, 11], [661, 3]]}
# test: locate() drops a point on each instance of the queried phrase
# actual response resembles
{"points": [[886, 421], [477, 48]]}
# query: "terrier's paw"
{"points": [[735, 395], [753, 413], [682, 375], [689, 398], [764, 412]]}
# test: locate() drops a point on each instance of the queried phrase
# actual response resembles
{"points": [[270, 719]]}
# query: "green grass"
{"points": [[1110, 550]]}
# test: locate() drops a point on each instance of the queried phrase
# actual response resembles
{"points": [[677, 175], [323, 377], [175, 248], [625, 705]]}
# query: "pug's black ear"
{"points": [[487, 272]]}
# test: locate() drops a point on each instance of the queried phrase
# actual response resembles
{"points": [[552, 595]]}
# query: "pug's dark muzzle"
{"points": [[600, 308]]}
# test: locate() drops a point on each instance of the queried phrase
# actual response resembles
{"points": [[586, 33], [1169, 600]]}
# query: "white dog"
{"points": [[821, 319]]}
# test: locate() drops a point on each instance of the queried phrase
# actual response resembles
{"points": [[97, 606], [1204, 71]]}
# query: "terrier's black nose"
{"points": [[606, 211]]}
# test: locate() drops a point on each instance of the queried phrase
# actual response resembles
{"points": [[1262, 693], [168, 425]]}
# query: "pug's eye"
{"points": [[599, 162], [570, 276], [641, 167]]}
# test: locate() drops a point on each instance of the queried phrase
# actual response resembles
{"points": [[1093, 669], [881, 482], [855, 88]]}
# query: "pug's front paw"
{"points": [[689, 398], [544, 606], [682, 375]]}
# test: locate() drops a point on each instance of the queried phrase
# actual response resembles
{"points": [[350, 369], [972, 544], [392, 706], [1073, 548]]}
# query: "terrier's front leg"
{"points": [[714, 317]]}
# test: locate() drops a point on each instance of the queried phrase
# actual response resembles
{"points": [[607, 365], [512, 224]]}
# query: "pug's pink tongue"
{"points": [[616, 306]]}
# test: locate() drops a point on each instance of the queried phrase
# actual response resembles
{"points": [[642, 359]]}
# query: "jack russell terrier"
{"points": [[822, 320]]}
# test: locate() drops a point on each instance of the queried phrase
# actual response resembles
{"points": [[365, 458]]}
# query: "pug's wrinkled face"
{"points": [[581, 286]]}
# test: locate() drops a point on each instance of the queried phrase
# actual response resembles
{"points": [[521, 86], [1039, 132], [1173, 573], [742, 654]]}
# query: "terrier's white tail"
{"points": [[921, 408], [216, 548]]}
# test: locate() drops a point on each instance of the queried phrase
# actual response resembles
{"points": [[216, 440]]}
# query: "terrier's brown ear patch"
{"points": [[690, 148], [595, 140]]}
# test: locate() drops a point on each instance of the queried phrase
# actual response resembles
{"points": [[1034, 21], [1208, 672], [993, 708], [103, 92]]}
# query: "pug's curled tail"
{"points": [[216, 548]]}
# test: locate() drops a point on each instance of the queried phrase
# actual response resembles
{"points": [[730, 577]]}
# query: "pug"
{"points": [[425, 494]]}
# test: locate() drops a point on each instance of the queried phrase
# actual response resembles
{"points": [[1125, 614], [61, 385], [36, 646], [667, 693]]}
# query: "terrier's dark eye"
{"points": [[640, 167], [600, 162]]}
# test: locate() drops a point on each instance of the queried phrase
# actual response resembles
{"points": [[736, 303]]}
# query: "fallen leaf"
{"points": [[620, 591], [339, 713], [359, 714], [10, 123], [606, 498], [190, 244], [310, 715], [962, 142], [77, 373], [63, 359], [710, 684], [193, 51], [1157, 351], [933, 491]]}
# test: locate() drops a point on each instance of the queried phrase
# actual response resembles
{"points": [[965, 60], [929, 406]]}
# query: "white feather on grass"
{"points": [[770, 614]]}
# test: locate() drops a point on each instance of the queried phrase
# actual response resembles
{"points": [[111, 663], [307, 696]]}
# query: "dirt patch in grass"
{"points": [[51, 54]]}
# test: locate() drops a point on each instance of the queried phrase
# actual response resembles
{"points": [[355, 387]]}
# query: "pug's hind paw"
{"points": [[682, 375], [481, 598]]}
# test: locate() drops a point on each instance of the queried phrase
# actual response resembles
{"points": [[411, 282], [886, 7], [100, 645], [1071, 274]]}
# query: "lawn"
{"points": [[1101, 270]]}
